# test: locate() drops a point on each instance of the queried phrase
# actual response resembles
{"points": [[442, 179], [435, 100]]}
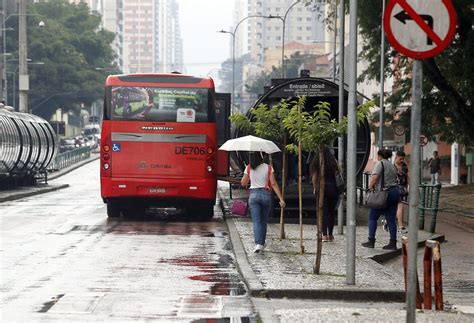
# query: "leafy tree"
{"points": [[448, 78], [313, 132], [76, 52]]}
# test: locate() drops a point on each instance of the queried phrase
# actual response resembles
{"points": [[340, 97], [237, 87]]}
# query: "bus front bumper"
{"points": [[159, 189]]}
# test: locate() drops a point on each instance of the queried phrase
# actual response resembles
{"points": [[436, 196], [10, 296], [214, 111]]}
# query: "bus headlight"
{"points": [[209, 168], [106, 166]]}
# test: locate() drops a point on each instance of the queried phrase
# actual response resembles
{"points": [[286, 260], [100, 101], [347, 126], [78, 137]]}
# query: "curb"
{"points": [[397, 296], [254, 286], [395, 253], [20, 195]]}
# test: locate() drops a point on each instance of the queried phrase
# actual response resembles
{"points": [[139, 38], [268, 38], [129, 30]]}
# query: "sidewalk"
{"points": [[27, 191], [283, 272]]}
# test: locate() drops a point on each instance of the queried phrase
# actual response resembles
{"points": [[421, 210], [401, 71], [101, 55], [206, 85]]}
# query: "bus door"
{"points": [[223, 104]]}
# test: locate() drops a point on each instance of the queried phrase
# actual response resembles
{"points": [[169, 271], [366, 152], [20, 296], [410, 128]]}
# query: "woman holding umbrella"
{"points": [[262, 179]]}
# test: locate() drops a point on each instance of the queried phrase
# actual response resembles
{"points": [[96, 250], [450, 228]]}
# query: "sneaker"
{"points": [[385, 225], [258, 248], [369, 244], [392, 245], [331, 238], [325, 238], [402, 230]]}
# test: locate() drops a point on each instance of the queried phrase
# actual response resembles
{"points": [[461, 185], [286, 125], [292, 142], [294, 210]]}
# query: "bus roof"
{"points": [[164, 80]]}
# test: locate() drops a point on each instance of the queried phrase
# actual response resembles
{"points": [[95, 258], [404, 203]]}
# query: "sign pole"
{"points": [[414, 191], [382, 79], [342, 101]]}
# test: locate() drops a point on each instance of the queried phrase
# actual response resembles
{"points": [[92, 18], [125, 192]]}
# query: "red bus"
{"points": [[158, 144]]}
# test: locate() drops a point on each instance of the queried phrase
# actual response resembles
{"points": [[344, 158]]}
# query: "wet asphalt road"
{"points": [[63, 260]]}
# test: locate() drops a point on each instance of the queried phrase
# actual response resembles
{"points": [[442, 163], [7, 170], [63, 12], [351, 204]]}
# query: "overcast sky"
{"points": [[204, 47]]}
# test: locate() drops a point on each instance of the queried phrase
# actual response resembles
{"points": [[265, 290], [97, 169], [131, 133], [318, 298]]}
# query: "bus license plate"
{"points": [[157, 190]]}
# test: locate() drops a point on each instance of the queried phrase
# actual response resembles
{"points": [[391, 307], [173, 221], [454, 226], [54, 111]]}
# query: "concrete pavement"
{"points": [[283, 272]]}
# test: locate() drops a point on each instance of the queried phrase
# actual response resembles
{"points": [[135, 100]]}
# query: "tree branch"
{"points": [[461, 111]]}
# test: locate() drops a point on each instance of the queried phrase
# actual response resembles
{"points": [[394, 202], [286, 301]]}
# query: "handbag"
{"points": [[377, 199], [240, 207], [340, 183]]}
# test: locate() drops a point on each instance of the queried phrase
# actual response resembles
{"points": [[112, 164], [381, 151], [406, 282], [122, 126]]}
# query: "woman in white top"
{"points": [[262, 178]]}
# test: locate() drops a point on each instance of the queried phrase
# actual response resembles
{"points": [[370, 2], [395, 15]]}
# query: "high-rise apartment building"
{"points": [[148, 36], [302, 24]]}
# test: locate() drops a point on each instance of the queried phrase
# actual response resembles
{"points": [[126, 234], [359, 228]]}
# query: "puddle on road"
{"points": [[223, 284], [217, 269], [208, 230]]}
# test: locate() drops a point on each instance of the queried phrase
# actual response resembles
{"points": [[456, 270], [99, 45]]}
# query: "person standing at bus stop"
{"points": [[386, 170], [435, 168], [262, 178]]}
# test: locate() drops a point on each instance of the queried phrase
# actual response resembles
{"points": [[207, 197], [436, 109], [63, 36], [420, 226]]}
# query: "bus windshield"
{"points": [[165, 104]]}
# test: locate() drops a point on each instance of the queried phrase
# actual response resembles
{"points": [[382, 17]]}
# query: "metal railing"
{"points": [[69, 158]]}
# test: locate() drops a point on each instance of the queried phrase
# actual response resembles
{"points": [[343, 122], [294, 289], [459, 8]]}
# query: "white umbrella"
{"points": [[250, 143]]}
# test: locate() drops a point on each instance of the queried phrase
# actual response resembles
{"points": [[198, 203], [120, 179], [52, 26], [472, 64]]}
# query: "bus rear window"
{"points": [[161, 104]]}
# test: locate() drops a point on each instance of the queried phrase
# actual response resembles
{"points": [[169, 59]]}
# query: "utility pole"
{"points": [[23, 55], [351, 147]]}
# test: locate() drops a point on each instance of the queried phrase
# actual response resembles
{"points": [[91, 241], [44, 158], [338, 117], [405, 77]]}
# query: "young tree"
{"points": [[313, 132]]}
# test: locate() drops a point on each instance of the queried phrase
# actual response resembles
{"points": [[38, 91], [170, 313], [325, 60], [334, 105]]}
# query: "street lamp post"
{"points": [[232, 33]]}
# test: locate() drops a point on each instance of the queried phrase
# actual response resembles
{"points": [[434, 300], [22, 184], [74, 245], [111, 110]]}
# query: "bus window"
{"points": [[161, 104]]}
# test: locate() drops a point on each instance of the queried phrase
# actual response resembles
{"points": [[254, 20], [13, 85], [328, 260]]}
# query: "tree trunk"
{"points": [[320, 208], [283, 185]]}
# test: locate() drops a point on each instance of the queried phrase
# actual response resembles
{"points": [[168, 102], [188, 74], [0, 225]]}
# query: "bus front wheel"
{"points": [[113, 210]]}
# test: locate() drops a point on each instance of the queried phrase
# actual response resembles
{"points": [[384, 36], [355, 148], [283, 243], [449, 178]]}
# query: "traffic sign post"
{"points": [[418, 29]]}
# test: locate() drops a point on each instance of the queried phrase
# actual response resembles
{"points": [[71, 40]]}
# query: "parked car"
{"points": [[67, 144]]}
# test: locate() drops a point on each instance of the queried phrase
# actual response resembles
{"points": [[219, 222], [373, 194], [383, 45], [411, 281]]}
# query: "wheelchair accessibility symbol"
{"points": [[116, 148]]}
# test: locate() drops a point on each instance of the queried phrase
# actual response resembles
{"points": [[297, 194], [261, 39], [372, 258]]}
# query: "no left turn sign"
{"points": [[420, 28]]}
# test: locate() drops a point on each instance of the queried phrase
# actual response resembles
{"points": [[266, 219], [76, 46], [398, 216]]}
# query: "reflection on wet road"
{"points": [[62, 260]]}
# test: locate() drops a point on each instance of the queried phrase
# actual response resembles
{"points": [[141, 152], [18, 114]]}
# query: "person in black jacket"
{"points": [[331, 193]]}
